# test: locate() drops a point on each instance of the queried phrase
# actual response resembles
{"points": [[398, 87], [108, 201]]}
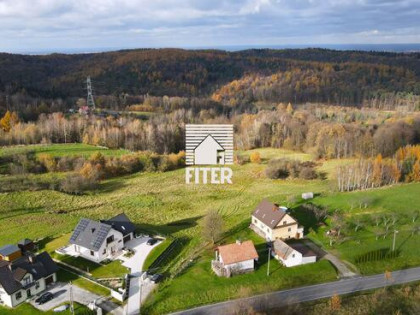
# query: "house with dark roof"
{"points": [[122, 224], [235, 258], [292, 253], [273, 222], [25, 277], [100, 240]]}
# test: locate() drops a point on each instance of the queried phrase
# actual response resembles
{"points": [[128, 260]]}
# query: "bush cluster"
{"points": [[287, 168]]}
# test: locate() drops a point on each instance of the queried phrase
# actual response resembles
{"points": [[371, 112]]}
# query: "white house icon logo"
{"points": [[209, 145]]}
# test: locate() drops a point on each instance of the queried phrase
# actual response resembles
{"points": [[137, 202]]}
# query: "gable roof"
{"points": [[90, 234], [11, 274], [237, 252], [8, 249], [284, 250], [210, 140], [269, 213], [121, 223], [25, 241]]}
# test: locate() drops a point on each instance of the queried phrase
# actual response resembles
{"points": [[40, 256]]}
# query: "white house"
{"points": [[209, 152], [25, 277], [235, 258], [273, 222], [292, 254], [98, 241]]}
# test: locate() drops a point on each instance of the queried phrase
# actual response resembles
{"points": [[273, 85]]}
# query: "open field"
{"points": [[70, 149], [161, 203], [28, 309]]}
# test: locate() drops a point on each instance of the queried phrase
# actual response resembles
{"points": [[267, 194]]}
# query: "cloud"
{"points": [[30, 25]]}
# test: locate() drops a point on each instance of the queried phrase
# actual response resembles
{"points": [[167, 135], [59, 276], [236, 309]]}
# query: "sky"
{"points": [[60, 25]]}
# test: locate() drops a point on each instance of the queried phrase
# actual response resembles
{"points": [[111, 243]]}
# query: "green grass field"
{"points": [[71, 149], [161, 203]]}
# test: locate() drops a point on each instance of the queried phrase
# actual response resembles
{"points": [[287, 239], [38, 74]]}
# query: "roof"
{"points": [[8, 250], [90, 234], [121, 223], [268, 213], [237, 252], [11, 274], [209, 140], [284, 250], [25, 241]]}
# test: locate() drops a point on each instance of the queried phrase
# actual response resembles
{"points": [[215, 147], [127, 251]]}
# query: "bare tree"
{"points": [[212, 226]]}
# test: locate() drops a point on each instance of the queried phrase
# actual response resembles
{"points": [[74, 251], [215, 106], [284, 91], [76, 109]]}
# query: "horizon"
{"points": [[362, 47]]}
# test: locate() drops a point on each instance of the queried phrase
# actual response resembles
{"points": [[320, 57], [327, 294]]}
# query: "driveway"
{"points": [[141, 251], [61, 293], [139, 288], [276, 300]]}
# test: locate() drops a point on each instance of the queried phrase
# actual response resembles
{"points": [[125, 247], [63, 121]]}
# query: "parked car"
{"points": [[156, 278], [48, 296], [151, 241]]}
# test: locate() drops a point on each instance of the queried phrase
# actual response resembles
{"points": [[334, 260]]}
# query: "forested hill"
{"points": [[177, 72]]}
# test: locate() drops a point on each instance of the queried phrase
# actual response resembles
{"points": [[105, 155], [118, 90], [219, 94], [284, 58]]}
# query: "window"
{"points": [[18, 295], [255, 221], [37, 285], [110, 239], [104, 251], [268, 230], [92, 253], [284, 222], [290, 229], [293, 256]]}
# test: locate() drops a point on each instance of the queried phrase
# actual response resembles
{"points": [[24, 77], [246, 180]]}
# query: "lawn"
{"points": [[198, 285], [65, 276], [156, 252], [161, 203], [28, 309], [70, 149]]}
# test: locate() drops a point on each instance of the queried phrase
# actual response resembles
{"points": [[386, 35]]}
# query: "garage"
{"points": [[49, 280], [127, 238]]}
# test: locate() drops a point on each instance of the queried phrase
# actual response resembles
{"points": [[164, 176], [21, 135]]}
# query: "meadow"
{"points": [[160, 203]]}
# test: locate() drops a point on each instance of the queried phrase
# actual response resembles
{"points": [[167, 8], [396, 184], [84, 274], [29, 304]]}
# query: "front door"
{"points": [[28, 293]]}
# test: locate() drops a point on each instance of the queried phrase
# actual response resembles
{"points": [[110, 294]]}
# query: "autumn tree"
{"points": [[255, 157], [335, 302]]}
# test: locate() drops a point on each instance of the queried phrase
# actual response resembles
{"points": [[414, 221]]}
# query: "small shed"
{"points": [[308, 195], [10, 252]]}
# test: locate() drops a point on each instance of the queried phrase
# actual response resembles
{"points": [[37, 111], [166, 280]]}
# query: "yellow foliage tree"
{"points": [[255, 157], [335, 302]]}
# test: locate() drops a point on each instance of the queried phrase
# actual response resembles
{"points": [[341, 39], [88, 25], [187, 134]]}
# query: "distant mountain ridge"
{"points": [[178, 72]]}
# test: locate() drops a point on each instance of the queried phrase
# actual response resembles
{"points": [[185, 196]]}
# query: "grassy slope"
{"points": [[72, 149], [160, 202]]}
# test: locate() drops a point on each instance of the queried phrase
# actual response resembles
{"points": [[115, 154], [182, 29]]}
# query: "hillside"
{"points": [[177, 72]]}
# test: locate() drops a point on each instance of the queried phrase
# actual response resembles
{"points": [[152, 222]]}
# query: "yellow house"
{"points": [[272, 222]]}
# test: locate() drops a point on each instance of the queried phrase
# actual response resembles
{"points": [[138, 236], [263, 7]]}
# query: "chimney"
{"points": [[10, 266], [275, 208], [31, 258], [93, 230]]}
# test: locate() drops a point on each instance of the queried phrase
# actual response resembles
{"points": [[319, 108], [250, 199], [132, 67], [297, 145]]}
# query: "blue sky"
{"points": [[42, 25]]}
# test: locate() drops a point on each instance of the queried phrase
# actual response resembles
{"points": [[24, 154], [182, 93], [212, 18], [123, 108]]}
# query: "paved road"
{"points": [[281, 298]]}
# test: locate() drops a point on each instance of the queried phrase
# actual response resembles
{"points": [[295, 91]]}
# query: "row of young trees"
{"points": [[368, 173]]}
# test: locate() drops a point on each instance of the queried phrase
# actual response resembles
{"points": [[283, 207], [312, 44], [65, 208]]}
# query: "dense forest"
{"points": [[32, 85]]}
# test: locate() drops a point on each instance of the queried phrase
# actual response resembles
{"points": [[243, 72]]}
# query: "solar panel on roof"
{"points": [[79, 229]]}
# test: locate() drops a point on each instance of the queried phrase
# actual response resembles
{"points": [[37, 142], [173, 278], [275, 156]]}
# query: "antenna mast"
{"points": [[90, 101]]}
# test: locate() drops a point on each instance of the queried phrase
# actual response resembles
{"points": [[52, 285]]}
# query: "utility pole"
{"points": [[71, 299], [393, 242], [89, 100], [268, 265]]}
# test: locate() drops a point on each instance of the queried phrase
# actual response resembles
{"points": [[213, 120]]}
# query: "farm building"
{"points": [[10, 252], [292, 254], [235, 258]]}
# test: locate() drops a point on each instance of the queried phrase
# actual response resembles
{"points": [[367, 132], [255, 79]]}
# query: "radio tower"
{"points": [[90, 101]]}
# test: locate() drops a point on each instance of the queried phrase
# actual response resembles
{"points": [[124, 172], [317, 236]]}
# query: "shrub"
{"points": [[283, 168], [255, 157], [77, 184], [241, 159]]}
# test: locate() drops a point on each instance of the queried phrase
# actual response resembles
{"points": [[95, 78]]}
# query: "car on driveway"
{"points": [[151, 241], [156, 278], [48, 296]]}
